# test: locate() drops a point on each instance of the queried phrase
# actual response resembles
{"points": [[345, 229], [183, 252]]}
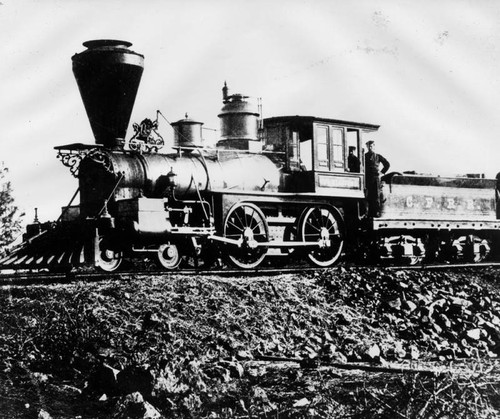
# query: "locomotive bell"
{"points": [[108, 76], [187, 133]]}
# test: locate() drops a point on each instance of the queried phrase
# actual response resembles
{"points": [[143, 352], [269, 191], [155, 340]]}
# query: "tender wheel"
{"points": [[108, 260], [474, 248], [408, 260], [415, 260], [169, 256], [405, 250], [323, 225], [246, 223]]}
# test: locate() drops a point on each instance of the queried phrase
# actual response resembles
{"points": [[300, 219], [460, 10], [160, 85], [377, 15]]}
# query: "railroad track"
{"points": [[32, 278]]}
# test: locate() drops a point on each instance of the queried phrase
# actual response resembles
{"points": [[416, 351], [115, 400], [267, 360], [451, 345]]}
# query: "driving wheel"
{"points": [[247, 224], [324, 226]]}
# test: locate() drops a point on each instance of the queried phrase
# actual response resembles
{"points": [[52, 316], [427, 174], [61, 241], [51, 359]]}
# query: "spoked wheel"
{"points": [[415, 260], [107, 259], [475, 249], [408, 260], [322, 225], [405, 249], [169, 256], [246, 223]]}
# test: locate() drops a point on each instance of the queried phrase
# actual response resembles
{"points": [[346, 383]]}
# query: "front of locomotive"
{"points": [[126, 189], [143, 200]]}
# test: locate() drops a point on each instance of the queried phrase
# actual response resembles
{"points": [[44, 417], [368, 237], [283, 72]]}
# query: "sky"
{"points": [[428, 72]]}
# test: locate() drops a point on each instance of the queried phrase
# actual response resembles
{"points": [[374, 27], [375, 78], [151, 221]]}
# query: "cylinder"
{"points": [[108, 76]]}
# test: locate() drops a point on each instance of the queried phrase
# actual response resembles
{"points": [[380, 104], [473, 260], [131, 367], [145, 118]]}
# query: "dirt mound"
{"points": [[213, 347]]}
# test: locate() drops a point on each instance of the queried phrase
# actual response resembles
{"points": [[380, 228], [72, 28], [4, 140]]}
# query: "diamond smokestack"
{"points": [[108, 76]]}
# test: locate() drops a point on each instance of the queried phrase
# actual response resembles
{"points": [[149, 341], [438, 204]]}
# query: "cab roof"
{"points": [[312, 119]]}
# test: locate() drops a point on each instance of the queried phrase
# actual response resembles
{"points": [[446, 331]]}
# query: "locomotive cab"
{"points": [[316, 154]]}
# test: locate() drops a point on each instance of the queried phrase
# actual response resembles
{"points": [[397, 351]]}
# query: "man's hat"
{"points": [[370, 142], [352, 148]]}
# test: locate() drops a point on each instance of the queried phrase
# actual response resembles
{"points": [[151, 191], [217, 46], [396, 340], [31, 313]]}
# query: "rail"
{"points": [[32, 278]]}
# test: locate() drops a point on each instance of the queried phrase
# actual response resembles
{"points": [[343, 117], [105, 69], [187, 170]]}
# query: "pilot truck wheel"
{"points": [[107, 259]]}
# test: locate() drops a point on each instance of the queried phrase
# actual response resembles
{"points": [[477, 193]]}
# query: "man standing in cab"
{"points": [[372, 177], [353, 163]]}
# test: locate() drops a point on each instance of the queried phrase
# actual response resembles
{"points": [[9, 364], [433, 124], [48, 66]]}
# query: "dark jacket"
{"points": [[372, 163], [353, 163]]}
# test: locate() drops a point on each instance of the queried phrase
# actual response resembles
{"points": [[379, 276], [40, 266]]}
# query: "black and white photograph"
{"points": [[249, 209]]}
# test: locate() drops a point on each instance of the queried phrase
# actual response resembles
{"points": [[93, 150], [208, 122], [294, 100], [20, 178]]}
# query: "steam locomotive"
{"points": [[269, 190]]}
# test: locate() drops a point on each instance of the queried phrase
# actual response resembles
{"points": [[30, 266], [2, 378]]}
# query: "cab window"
{"points": [[322, 147], [338, 147], [329, 144], [306, 159]]}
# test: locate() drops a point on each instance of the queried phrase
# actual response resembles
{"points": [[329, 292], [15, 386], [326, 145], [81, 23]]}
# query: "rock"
{"points": [[373, 352], [169, 383], [329, 349], [40, 377], [192, 402], [259, 394], [396, 351], [460, 302], [244, 355], [301, 403], [395, 303], [474, 334], [5, 365], [445, 321], [134, 406], [135, 379], [339, 357], [64, 389], [70, 389], [342, 320], [447, 354], [105, 353], [150, 320], [259, 397], [409, 306], [42, 414], [414, 352], [236, 369], [104, 380]]}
